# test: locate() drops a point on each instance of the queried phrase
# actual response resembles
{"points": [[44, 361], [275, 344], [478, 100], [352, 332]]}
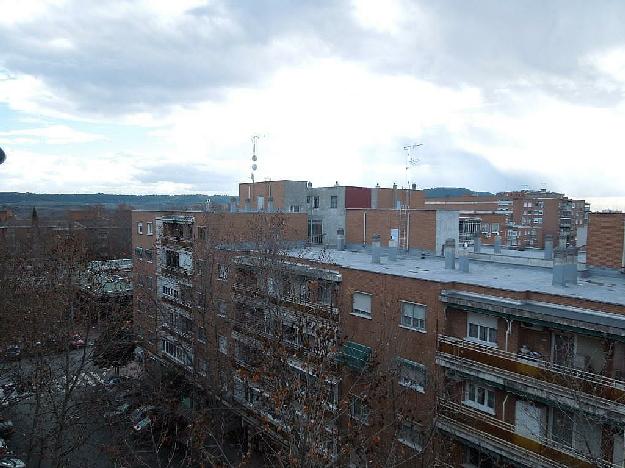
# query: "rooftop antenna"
{"points": [[411, 160], [255, 138]]}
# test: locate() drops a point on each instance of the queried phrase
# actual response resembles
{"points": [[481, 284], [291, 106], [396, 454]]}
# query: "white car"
{"points": [[10, 461]]}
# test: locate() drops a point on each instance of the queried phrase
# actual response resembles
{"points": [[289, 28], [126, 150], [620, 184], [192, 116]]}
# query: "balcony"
{"points": [[255, 296], [591, 392], [478, 428]]}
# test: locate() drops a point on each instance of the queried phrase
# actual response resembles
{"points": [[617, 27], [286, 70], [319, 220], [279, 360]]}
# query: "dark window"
{"points": [[316, 202], [333, 201], [172, 258]]}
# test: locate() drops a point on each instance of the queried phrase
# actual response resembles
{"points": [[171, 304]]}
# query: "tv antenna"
{"points": [[255, 139], [411, 160]]}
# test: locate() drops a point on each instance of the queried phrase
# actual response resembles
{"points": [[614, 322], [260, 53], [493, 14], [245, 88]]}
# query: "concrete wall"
{"points": [[331, 218], [447, 227]]}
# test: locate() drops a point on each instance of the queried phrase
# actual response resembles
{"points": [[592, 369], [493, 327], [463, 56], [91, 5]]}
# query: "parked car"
{"points": [[6, 428], [117, 412], [77, 342], [143, 424], [13, 352], [4, 448], [10, 461], [141, 413]]}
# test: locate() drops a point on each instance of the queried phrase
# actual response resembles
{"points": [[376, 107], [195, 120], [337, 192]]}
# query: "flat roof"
{"points": [[607, 289]]}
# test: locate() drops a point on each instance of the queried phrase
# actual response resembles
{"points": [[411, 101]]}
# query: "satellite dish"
{"points": [[254, 167], [254, 158], [3, 156]]}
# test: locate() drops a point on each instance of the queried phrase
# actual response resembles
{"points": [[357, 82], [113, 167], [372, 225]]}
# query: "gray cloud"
{"points": [[126, 60], [199, 179]]}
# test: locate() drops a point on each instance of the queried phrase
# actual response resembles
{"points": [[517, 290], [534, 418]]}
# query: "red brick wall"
{"points": [[605, 240], [262, 189], [357, 197], [422, 227]]}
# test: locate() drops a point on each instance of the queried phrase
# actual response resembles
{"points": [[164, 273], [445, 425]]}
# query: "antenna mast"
{"points": [[410, 159]]}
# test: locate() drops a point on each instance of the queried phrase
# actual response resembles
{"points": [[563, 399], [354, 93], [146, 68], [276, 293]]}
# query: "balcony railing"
{"points": [[596, 385], [461, 420], [247, 293]]}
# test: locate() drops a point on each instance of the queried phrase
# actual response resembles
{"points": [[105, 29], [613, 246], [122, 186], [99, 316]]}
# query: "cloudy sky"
{"points": [[147, 96]]}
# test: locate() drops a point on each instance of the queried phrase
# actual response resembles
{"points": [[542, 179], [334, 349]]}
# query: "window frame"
{"points": [[222, 272], [149, 230], [140, 227], [334, 201], [222, 342], [420, 370], [364, 411], [412, 317], [360, 312], [473, 402]]}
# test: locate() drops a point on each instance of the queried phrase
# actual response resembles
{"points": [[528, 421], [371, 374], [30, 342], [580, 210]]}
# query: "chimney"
{"points": [[450, 254], [548, 247], [414, 186], [396, 201], [463, 261], [375, 194], [564, 266], [375, 248], [392, 249], [477, 242], [497, 247], [340, 239]]}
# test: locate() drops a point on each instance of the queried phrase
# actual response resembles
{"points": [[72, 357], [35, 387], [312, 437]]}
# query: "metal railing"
{"points": [[505, 433], [568, 372]]}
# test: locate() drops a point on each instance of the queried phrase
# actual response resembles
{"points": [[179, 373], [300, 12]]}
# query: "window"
{"points": [[482, 329], [202, 366], [315, 202], [222, 309], [223, 344], [171, 292], [413, 316], [201, 232], [185, 324], [333, 201], [494, 228], [294, 208], [410, 434], [308, 199], [479, 397], [148, 254], [361, 304], [222, 272], [485, 228], [475, 458], [359, 410], [172, 258], [201, 334], [149, 228], [148, 282], [139, 228], [412, 375], [139, 252]]}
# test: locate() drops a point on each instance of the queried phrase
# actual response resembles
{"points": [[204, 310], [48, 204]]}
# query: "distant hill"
{"points": [[441, 192], [21, 202]]}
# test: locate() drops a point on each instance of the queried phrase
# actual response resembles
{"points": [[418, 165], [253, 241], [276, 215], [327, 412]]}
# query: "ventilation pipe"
{"points": [[449, 250], [375, 248], [497, 247], [340, 239], [548, 247]]}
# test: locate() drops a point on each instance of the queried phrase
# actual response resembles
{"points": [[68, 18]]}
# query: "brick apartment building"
{"points": [[456, 358], [521, 218]]}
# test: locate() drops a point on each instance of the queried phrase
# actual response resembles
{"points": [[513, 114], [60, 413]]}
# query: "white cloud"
{"points": [[51, 135]]}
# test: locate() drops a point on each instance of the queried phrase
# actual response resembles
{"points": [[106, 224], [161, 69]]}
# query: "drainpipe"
{"points": [[503, 407], [508, 331], [364, 228], [408, 233]]}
